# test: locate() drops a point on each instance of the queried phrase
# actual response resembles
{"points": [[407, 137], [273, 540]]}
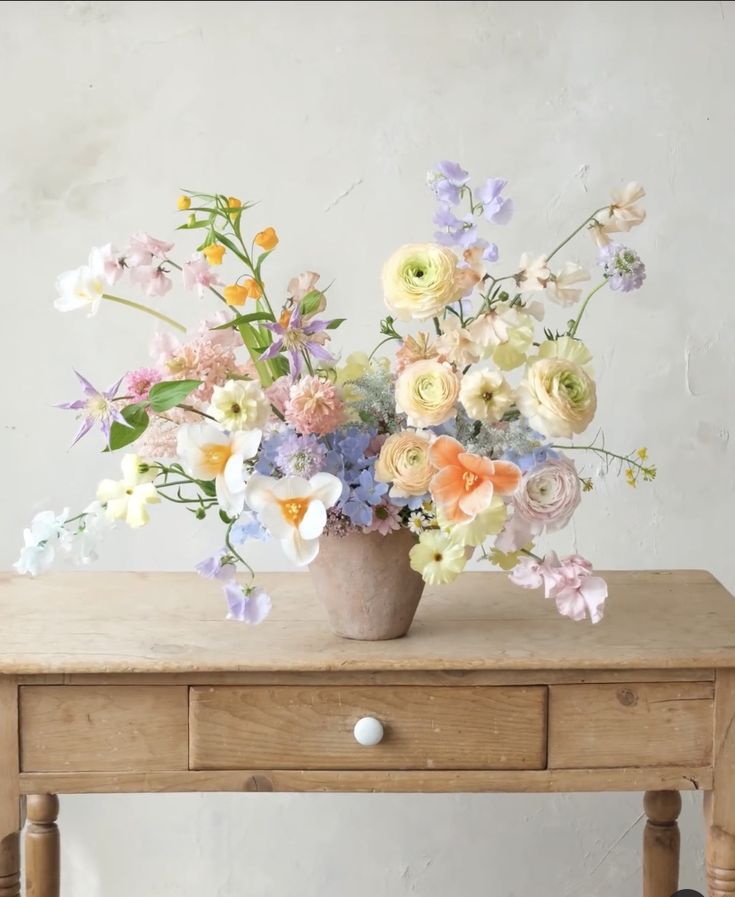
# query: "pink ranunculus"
{"points": [[152, 278], [314, 406], [143, 248], [548, 495], [197, 272]]}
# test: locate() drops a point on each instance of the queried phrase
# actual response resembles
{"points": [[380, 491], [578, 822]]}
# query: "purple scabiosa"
{"points": [[447, 181], [300, 456], [96, 407], [622, 266]]}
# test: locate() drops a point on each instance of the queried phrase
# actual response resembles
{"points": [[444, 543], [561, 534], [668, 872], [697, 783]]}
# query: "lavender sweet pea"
{"points": [[495, 207], [97, 408], [296, 337], [447, 181]]}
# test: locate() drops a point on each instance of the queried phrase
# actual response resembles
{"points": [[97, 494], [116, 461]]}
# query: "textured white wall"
{"points": [[330, 113]]}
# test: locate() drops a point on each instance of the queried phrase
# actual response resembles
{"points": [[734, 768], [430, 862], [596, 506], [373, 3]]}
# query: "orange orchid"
{"points": [[465, 483]]}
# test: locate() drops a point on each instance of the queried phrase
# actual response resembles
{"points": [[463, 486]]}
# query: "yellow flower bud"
{"points": [[267, 239], [214, 253], [234, 203], [183, 203]]}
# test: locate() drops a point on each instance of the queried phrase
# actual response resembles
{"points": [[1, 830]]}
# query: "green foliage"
{"points": [[168, 394], [120, 435]]}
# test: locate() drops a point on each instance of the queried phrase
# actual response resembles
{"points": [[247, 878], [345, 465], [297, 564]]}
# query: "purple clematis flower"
{"points": [[296, 337], [495, 207], [96, 407]]}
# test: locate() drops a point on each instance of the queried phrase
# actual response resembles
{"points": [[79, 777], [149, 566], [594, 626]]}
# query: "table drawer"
{"points": [[292, 727], [105, 728], [645, 724]]}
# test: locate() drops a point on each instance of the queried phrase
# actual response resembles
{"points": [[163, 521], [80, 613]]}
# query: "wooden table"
{"points": [[130, 682]]}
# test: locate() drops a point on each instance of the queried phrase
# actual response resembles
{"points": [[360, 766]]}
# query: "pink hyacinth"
{"points": [[197, 272], [138, 383], [569, 581], [314, 406]]}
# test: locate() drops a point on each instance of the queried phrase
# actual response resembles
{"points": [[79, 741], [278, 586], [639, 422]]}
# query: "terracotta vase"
{"points": [[366, 584]]}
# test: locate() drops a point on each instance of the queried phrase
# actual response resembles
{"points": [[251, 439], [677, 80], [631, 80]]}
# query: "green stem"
{"points": [[530, 554], [195, 410], [437, 327], [575, 232], [381, 343], [573, 329], [625, 459], [146, 309], [236, 554]]}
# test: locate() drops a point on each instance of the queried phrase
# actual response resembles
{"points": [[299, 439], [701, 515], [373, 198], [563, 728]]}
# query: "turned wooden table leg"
{"points": [[719, 804], [42, 846], [661, 842], [9, 790]]}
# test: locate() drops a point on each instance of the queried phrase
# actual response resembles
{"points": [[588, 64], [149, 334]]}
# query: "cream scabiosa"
{"points": [[210, 454], [294, 510]]}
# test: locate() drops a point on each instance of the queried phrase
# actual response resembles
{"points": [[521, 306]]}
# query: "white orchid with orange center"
{"points": [[294, 510], [209, 454]]}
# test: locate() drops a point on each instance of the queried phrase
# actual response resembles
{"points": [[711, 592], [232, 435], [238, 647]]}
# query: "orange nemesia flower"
{"points": [[465, 483], [267, 239]]}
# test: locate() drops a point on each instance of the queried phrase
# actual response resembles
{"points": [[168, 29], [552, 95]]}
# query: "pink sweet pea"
{"points": [[199, 273], [144, 248], [153, 279], [569, 581]]}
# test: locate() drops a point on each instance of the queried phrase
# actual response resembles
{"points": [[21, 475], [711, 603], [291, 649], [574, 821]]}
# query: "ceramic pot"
{"points": [[366, 584]]}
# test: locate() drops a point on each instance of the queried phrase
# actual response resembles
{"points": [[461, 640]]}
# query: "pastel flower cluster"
{"points": [[461, 435]]}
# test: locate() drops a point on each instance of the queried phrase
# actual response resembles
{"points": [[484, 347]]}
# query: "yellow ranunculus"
{"points": [[213, 253], [427, 392], [419, 280], [267, 239], [183, 203], [404, 462], [557, 395]]}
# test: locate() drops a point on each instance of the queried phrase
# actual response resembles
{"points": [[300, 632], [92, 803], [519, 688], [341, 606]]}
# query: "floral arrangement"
{"points": [[465, 437]]}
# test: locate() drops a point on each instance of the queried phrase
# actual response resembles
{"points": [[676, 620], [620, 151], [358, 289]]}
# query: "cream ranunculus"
{"points": [[557, 396], [485, 395], [419, 280], [427, 392], [240, 405], [404, 462]]}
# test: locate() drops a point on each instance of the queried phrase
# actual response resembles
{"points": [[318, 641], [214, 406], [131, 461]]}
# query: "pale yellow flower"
{"points": [[474, 532], [126, 499], [404, 462], [485, 395], [562, 288], [419, 280], [240, 405], [566, 347], [505, 334], [427, 392], [437, 557], [557, 396]]}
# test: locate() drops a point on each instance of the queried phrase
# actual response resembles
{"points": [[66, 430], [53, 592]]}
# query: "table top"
{"points": [[173, 623]]}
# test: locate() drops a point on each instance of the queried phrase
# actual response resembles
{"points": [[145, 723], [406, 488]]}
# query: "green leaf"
{"points": [[245, 319], [200, 223], [261, 258], [225, 241], [169, 393], [337, 322], [311, 302], [208, 487], [120, 435]]}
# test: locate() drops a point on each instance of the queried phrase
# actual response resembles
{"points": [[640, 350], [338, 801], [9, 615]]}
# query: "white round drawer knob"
{"points": [[368, 731]]}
